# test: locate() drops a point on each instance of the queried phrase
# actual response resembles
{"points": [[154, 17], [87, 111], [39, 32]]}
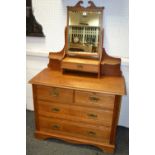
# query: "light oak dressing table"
{"points": [[77, 97]]}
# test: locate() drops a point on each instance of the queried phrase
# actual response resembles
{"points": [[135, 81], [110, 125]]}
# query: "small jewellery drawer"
{"points": [[94, 99], [54, 94], [80, 67], [75, 113], [64, 127]]}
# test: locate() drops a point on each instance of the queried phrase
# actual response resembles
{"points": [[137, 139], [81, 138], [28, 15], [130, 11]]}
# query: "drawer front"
{"points": [[55, 94], [75, 113], [94, 99], [80, 67], [64, 127]]}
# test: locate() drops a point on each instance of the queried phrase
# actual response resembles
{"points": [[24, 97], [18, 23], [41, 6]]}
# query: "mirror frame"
{"points": [[91, 8]]}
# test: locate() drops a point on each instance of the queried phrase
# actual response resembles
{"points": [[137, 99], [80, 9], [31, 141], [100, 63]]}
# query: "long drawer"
{"points": [[94, 99], [75, 113], [80, 67], [97, 133], [54, 94]]}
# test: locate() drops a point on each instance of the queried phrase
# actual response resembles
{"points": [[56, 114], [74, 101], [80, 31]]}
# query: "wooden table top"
{"points": [[105, 84]]}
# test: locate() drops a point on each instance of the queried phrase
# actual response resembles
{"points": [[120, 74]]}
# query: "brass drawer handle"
{"points": [[55, 126], [54, 92], [55, 110], [79, 66], [93, 98], [92, 115], [91, 133]]}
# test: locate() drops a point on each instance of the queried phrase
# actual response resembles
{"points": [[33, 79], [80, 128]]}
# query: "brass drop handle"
{"points": [[55, 110], [55, 126], [80, 66], [54, 92], [92, 115], [91, 133], [94, 98]]}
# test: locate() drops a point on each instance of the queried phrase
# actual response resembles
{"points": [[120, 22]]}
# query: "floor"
{"points": [[59, 147]]}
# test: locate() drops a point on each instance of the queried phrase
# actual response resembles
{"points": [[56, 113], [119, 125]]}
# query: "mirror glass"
{"points": [[83, 31]]}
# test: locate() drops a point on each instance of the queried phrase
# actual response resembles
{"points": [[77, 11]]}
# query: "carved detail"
{"points": [[79, 4], [91, 4]]}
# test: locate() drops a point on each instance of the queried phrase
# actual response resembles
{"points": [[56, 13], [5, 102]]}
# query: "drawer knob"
{"points": [[92, 115], [55, 110], [54, 92], [91, 133], [55, 126], [94, 98]]}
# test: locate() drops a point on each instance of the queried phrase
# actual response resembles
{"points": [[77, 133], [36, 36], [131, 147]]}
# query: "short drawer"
{"points": [[54, 94], [64, 127], [80, 67], [94, 99], [75, 113]]}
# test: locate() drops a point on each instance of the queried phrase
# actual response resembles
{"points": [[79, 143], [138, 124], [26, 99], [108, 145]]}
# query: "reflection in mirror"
{"points": [[84, 28]]}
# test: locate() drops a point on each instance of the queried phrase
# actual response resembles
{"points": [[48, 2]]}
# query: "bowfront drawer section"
{"points": [[54, 94], [97, 133], [94, 99], [75, 113]]}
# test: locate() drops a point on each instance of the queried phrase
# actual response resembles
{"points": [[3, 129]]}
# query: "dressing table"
{"points": [[77, 97]]}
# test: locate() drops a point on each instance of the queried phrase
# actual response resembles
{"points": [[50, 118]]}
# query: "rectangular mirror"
{"points": [[84, 32]]}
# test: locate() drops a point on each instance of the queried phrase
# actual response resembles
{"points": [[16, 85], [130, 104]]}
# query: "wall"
{"points": [[51, 14]]}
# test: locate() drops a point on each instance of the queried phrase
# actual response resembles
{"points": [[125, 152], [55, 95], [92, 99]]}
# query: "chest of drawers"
{"points": [[82, 110]]}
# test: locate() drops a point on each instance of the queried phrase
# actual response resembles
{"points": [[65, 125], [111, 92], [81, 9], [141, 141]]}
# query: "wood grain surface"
{"points": [[106, 84]]}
